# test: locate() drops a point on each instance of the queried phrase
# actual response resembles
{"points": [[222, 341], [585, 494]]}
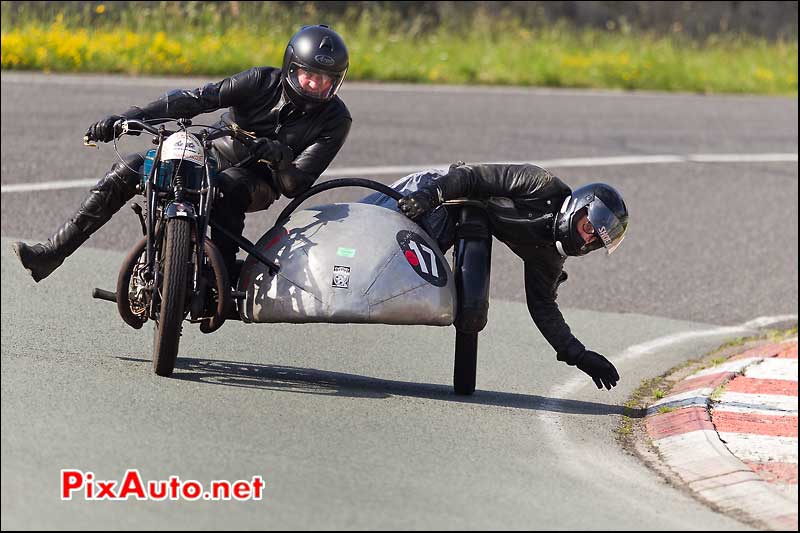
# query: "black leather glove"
{"points": [[599, 368], [418, 204], [103, 130], [277, 153]]}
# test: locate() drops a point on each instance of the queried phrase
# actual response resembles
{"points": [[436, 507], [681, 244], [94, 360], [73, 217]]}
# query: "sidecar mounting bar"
{"points": [[100, 294], [248, 247], [335, 184]]}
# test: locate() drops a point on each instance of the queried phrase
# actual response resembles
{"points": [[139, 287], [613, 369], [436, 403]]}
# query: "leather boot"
{"points": [[40, 260], [105, 199]]}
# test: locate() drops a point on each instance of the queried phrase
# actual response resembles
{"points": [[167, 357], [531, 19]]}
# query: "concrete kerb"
{"points": [[680, 427]]}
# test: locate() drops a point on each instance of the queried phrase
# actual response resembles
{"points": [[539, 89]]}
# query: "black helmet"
{"points": [[314, 66], [607, 214]]}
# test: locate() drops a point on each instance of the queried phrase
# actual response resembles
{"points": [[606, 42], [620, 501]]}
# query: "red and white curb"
{"points": [[737, 451]]}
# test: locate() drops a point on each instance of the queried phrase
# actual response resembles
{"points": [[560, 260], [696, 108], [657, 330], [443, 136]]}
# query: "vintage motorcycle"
{"points": [[335, 263]]}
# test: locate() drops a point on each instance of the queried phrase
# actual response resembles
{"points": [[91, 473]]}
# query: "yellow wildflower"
{"points": [[764, 74], [575, 61]]}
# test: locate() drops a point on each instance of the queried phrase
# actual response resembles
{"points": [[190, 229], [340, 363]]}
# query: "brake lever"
{"points": [[236, 130], [125, 129]]}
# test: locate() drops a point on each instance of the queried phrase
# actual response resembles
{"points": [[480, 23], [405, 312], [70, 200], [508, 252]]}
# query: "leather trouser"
{"points": [[104, 199], [244, 190], [109, 195]]}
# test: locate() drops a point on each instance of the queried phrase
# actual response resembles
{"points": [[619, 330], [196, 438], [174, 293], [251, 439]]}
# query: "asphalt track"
{"points": [[357, 427]]}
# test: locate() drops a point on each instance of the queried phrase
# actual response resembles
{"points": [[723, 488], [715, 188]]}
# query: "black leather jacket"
{"points": [[257, 104], [522, 202]]}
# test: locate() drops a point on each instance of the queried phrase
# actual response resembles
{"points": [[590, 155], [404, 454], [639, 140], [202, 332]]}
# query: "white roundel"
{"points": [[183, 145]]}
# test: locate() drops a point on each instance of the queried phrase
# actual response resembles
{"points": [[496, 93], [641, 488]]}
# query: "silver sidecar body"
{"points": [[349, 263]]}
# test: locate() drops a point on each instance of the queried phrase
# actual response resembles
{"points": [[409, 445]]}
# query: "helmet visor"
{"points": [[314, 84], [609, 229]]}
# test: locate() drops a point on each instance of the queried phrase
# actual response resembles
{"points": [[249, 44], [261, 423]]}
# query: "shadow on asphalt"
{"points": [[323, 382]]}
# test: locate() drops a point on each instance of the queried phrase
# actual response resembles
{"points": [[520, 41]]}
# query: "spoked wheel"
{"points": [[125, 305], [466, 363], [177, 249]]}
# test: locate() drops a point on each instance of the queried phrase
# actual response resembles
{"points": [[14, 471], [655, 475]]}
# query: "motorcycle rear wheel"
{"points": [[177, 249]]}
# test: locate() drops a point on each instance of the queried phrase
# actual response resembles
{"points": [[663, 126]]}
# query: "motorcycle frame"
{"points": [[161, 208]]}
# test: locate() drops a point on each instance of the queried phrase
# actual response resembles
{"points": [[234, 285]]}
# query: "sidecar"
{"points": [[362, 263], [349, 263]]}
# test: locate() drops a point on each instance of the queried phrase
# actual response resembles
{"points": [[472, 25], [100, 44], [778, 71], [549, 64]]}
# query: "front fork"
{"points": [[173, 210]]}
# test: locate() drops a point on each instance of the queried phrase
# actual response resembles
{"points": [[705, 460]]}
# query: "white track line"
{"points": [[407, 169]]}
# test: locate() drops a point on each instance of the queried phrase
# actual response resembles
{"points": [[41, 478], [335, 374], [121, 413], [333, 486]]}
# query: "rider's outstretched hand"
{"points": [[418, 204], [103, 130], [599, 368]]}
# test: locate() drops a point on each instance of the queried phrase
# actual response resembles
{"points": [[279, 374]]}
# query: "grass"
{"points": [[717, 392], [778, 335], [625, 428], [771, 335], [205, 40], [648, 391]]}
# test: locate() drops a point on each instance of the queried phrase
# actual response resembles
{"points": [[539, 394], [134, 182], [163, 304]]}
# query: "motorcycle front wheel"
{"points": [[177, 268]]}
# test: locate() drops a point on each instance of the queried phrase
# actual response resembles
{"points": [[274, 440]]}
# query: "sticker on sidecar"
{"points": [[341, 277], [422, 258], [346, 252]]}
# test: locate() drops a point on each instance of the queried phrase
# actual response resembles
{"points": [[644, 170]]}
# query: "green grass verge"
{"points": [[486, 51]]}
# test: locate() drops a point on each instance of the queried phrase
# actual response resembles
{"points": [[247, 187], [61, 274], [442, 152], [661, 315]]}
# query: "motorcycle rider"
{"points": [[541, 220], [295, 108]]}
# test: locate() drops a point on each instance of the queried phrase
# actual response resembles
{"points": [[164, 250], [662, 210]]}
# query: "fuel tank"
{"points": [[349, 263]]}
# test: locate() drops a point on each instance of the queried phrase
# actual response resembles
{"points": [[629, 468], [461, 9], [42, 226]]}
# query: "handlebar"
{"points": [[129, 127], [135, 127]]}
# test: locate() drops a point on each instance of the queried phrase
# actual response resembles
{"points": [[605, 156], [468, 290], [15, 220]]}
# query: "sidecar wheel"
{"points": [[466, 363], [177, 250]]}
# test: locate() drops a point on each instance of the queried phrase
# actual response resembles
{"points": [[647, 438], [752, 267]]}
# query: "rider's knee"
{"points": [[235, 189], [127, 171]]}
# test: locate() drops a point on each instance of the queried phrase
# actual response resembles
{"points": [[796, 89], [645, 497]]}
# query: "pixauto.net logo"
{"points": [[132, 486]]}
